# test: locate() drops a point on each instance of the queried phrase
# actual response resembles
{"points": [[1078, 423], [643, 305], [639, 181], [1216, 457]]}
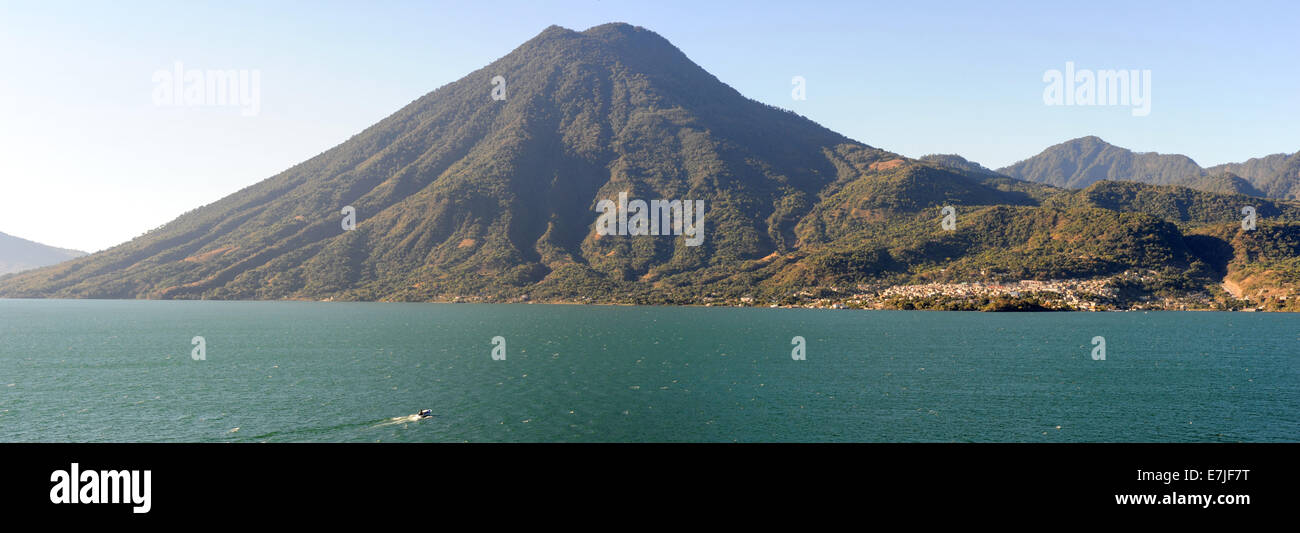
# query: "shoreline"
{"points": [[693, 305]]}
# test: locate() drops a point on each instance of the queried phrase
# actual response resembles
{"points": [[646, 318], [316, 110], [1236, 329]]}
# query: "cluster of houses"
{"points": [[1078, 294]]}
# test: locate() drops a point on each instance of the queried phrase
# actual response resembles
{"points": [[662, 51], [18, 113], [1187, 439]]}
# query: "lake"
{"points": [[125, 371]]}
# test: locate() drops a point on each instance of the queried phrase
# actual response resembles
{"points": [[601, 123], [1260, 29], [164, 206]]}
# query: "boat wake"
{"points": [[398, 420], [313, 431]]}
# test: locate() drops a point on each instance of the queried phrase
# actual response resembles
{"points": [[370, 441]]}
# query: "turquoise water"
{"points": [[94, 370]]}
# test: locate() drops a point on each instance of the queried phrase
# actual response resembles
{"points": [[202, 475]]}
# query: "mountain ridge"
{"points": [[18, 254], [1080, 162], [461, 195]]}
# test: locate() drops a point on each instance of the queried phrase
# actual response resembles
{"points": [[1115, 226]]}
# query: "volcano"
{"points": [[487, 189]]}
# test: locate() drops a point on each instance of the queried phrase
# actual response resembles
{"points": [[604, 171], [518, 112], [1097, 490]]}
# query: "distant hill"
{"points": [[1227, 183], [1081, 162], [18, 254], [1175, 203], [958, 162], [1277, 175]]}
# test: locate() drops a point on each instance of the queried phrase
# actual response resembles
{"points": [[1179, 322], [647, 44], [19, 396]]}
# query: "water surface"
{"points": [[105, 370]]}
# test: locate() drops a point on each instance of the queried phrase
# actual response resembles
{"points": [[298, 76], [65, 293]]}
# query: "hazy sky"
{"points": [[87, 160]]}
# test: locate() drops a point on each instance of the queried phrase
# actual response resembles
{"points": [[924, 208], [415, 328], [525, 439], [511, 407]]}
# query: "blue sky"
{"points": [[87, 160]]}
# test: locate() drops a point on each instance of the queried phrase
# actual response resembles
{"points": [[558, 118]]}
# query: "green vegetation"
{"points": [[463, 198], [1182, 205], [1079, 163], [1277, 175]]}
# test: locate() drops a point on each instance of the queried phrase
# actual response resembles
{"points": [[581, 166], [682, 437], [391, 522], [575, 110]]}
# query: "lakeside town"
{"points": [[1114, 293], [1132, 290]]}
